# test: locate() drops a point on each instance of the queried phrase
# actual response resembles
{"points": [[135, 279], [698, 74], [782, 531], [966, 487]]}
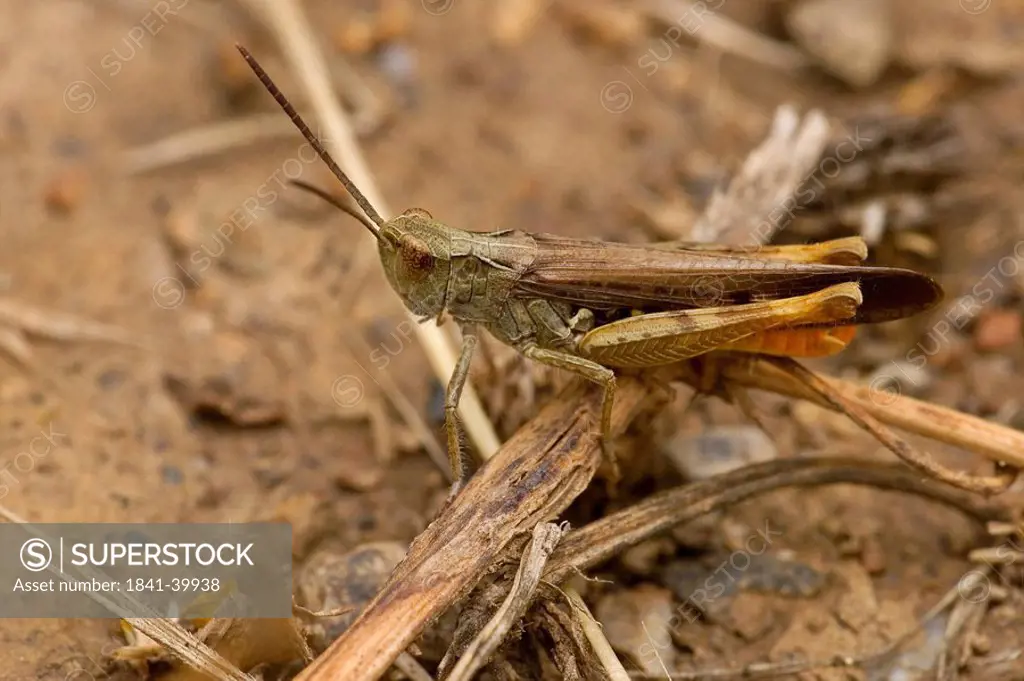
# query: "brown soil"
{"points": [[238, 407]]}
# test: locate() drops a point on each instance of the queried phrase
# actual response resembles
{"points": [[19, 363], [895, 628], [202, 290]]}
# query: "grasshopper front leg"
{"points": [[456, 459]]}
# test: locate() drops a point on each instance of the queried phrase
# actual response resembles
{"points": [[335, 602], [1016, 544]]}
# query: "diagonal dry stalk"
{"points": [[531, 480], [287, 22], [922, 461], [989, 440], [612, 534], [175, 639], [551, 459], [545, 538], [541, 469], [770, 176]]}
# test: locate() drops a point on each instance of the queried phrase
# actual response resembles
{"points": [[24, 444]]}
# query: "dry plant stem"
{"points": [[405, 408], [60, 326], [602, 539], [963, 622], [545, 538], [764, 670], [720, 31], [757, 670], [990, 440], [900, 447], [533, 478], [204, 141], [167, 633], [595, 636], [769, 177], [995, 555], [299, 45], [247, 644], [189, 649], [410, 666], [1004, 529]]}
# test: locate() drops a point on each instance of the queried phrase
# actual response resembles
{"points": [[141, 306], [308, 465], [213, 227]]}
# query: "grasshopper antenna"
{"points": [[375, 220], [336, 202]]}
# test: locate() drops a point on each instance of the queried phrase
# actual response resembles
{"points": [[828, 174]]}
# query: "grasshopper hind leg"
{"points": [[666, 337]]}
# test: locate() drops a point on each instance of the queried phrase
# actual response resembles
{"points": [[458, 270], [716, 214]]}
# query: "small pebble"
{"points": [[393, 20], [171, 475], [872, 556], [612, 26], [112, 378], [720, 450], [997, 330], [69, 146], [638, 622], [981, 644], [514, 20], [65, 191], [330, 579], [397, 62], [356, 36], [853, 40], [644, 558], [816, 622]]}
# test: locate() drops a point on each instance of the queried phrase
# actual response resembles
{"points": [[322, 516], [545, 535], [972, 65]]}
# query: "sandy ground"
{"points": [[240, 404]]}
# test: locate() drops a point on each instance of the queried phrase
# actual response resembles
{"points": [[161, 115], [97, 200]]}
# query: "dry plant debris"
{"points": [[551, 460], [903, 195], [417, 594]]}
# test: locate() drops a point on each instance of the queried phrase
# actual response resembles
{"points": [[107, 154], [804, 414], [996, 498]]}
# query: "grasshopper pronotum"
{"points": [[590, 306]]}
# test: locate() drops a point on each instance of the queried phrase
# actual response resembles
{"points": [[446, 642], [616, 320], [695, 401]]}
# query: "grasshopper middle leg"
{"points": [[590, 370]]}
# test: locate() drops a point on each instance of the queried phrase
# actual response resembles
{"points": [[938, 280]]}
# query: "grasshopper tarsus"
{"points": [[590, 306]]}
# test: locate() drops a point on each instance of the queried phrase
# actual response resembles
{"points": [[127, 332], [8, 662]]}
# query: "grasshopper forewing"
{"points": [[591, 306]]}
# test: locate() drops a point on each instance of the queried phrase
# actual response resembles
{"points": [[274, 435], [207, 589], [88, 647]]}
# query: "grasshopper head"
{"points": [[415, 250], [416, 254]]}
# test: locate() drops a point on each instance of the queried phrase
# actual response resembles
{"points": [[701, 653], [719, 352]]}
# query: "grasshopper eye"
{"points": [[417, 213], [416, 256]]}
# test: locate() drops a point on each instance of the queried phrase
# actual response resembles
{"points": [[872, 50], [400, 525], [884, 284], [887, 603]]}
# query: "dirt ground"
{"points": [[251, 395]]}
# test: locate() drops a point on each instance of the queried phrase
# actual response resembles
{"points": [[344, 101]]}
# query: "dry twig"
{"points": [[180, 643], [532, 479], [604, 538], [596, 638], [989, 440], [770, 176], [299, 45], [545, 537], [765, 670], [204, 141], [963, 622], [900, 447], [718, 30]]}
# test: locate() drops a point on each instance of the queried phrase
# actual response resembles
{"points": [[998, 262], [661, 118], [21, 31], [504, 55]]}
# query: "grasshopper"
{"points": [[591, 307]]}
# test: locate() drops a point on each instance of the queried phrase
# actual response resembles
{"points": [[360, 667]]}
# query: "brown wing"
{"points": [[609, 276]]}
